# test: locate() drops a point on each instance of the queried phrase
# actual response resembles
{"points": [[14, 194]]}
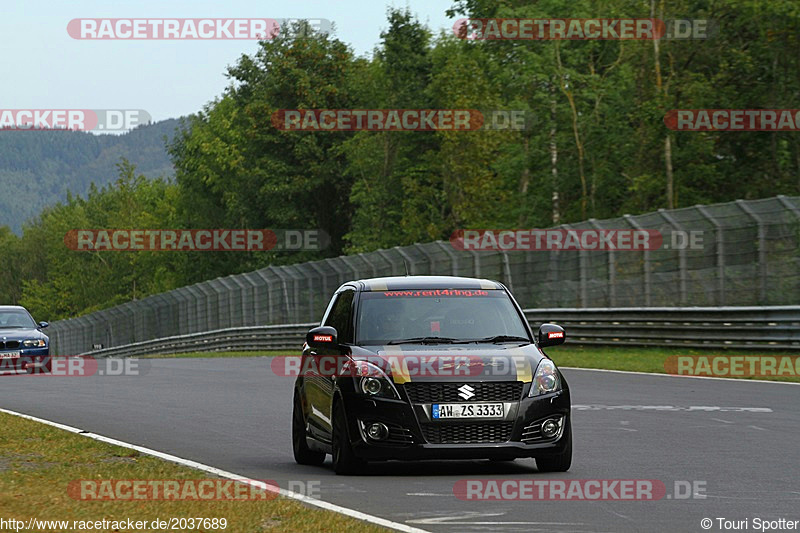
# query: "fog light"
{"points": [[550, 428], [377, 431]]}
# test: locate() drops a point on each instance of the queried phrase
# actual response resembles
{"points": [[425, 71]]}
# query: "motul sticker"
{"points": [[323, 338], [555, 335]]}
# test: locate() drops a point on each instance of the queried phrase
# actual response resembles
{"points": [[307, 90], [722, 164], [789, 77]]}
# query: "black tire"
{"points": [[302, 454], [560, 462], [345, 461]]}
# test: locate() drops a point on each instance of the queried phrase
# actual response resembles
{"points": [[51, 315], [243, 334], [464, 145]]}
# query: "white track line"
{"points": [[737, 380], [358, 515]]}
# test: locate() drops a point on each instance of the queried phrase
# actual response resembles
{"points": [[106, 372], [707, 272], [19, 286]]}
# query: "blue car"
{"points": [[23, 346]]}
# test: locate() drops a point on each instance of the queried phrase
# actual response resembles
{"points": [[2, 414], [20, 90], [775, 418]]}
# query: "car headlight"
{"points": [[372, 381], [546, 379], [34, 343]]}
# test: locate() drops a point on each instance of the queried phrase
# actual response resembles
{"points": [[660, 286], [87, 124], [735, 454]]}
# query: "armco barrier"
{"points": [[752, 328], [288, 337], [749, 328]]}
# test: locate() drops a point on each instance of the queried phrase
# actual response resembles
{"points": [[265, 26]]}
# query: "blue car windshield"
{"points": [[16, 319], [450, 314]]}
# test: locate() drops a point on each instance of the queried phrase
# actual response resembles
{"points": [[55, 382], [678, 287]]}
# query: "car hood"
{"points": [[458, 362], [21, 334]]}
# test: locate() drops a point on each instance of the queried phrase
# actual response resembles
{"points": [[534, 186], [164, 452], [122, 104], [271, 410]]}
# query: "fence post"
{"points": [[645, 265], [507, 268], [720, 252], [681, 253], [296, 279], [789, 205], [581, 268], [431, 261], [370, 264], [476, 263], [762, 251], [324, 282], [290, 303], [612, 269], [356, 273], [384, 255], [409, 261], [452, 255]]}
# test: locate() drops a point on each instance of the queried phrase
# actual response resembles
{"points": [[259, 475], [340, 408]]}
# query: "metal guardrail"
{"points": [[753, 328], [748, 328], [254, 338]]}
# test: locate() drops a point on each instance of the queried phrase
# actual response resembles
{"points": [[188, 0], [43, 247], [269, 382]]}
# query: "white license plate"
{"points": [[9, 355], [440, 411]]}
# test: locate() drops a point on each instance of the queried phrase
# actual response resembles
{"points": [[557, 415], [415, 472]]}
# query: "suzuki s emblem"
{"points": [[466, 392]]}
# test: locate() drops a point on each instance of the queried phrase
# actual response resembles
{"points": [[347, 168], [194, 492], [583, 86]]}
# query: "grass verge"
{"points": [[37, 462], [644, 359]]}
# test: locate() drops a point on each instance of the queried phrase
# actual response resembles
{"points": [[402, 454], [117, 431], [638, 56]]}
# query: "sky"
{"points": [[44, 68]]}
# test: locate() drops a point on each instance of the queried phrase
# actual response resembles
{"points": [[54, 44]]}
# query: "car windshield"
{"points": [[16, 319], [437, 316]]}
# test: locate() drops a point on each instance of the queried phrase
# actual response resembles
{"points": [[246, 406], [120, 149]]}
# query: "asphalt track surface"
{"points": [[234, 414]]}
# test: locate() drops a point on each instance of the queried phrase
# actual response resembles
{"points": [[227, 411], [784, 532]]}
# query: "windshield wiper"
{"points": [[425, 340], [502, 338]]}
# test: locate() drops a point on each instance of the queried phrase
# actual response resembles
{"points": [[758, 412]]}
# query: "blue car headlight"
{"points": [[34, 343], [546, 379]]}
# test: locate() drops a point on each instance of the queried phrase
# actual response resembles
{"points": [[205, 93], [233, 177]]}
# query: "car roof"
{"points": [[12, 308], [425, 282]]}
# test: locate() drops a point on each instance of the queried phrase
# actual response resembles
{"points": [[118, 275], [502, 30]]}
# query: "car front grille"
{"points": [[488, 391], [467, 433], [9, 345]]}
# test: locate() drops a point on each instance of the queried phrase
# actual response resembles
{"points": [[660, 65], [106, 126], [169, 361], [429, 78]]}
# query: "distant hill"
{"points": [[37, 168]]}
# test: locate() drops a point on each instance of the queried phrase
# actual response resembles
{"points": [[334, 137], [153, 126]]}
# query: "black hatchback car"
{"points": [[429, 367]]}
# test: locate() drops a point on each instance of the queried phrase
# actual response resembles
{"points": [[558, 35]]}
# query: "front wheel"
{"points": [[302, 454], [345, 461]]}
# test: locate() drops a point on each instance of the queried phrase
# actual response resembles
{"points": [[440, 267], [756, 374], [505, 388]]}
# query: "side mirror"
{"points": [[43, 324], [551, 335], [323, 337]]}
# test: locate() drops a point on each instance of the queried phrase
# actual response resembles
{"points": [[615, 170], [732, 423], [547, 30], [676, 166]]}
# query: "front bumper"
{"points": [[410, 430], [29, 358]]}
